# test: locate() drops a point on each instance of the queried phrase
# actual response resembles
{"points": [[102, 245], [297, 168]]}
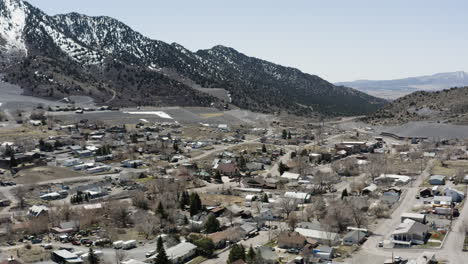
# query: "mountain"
{"points": [[74, 54], [399, 87], [449, 105]]}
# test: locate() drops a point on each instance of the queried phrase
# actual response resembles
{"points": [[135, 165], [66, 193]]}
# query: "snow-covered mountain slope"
{"points": [[93, 55]]}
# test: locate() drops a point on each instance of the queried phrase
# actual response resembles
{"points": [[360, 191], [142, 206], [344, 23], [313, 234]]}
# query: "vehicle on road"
{"points": [[380, 243]]}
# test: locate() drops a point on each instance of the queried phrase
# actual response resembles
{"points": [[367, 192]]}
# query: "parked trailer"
{"points": [[118, 244], [129, 244]]}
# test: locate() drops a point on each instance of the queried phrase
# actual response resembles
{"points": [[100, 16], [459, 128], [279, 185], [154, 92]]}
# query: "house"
{"points": [[289, 176], [354, 237], [181, 252], [291, 240], [249, 229], [421, 218], [38, 210], [441, 201], [323, 237], [228, 169], [395, 178], [457, 196], [437, 180], [300, 196], [410, 232], [65, 257], [66, 227], [267, 214], [231, 235], [323, 253]]}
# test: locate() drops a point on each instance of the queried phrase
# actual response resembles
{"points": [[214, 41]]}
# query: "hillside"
{"points": [[393, 89], [449, 105], [74, 54]]}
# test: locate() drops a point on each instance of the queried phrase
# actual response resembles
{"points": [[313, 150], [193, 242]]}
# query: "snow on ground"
{"points": [[158, 113]]}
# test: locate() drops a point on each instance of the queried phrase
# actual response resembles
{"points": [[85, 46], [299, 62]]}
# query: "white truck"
{"points": [[129, 244], [118, 244]]}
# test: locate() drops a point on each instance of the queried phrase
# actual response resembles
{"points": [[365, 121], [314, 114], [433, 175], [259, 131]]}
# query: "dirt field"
{"points": [[12, 134], [48, 173], [221, 199]]}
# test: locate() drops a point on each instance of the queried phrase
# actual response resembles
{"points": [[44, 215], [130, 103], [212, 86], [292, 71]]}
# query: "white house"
{"points": [[289, 176], [323, 237]]}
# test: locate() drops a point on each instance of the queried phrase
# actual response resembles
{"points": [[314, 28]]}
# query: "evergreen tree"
{"points": [[285, 134], [264, 149], [13, 162], [159, 244], [160, 211], [212, 224], [92, 257], [242, 162], [176, 147], [217, 176], [195, 204], [184, 200], [281, 152], [237, 252], [251, 255], [344, 194], [289, 134], [161, 257], [282, 168], [265, 198]]}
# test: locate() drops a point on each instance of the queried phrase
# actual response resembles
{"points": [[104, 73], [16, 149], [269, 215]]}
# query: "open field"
{"points": [[40, 174]]}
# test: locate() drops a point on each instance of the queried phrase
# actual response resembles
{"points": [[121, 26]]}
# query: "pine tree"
{"points": [[217, 176], [237, 252], [344, 194], [265, 198], [285, 134], [212, 224], [282, 168], [195, 204], [159, 244], [289, 134], [264, 149], [160, 211], [13, 162], [251, 255]]}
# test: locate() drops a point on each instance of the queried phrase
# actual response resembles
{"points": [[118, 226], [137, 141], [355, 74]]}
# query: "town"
{"points": [[278, 190]]}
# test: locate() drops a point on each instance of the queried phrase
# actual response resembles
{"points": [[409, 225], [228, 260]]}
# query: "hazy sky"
{"points": [[337, 40]]}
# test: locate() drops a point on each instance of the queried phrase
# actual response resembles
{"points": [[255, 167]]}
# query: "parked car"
{"points": [[380, 243], [293, 251], [36, 240], [76, 242]]}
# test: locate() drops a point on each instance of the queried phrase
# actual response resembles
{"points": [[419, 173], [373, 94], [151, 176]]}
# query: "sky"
{"points": [[337, 40]]}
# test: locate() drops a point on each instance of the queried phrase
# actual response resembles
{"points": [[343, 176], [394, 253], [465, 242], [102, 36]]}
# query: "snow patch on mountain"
{"points": [[12, 22]]}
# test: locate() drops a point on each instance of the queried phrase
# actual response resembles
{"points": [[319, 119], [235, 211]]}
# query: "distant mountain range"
{"points": [[396, 88], [74, 54]]}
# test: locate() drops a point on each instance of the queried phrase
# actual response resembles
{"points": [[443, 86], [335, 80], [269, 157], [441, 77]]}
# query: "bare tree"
{"points": [[20, 194], [376, 166], [338, 215], [357, 213], [288, 205], [319, 207], [292, 221]]}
